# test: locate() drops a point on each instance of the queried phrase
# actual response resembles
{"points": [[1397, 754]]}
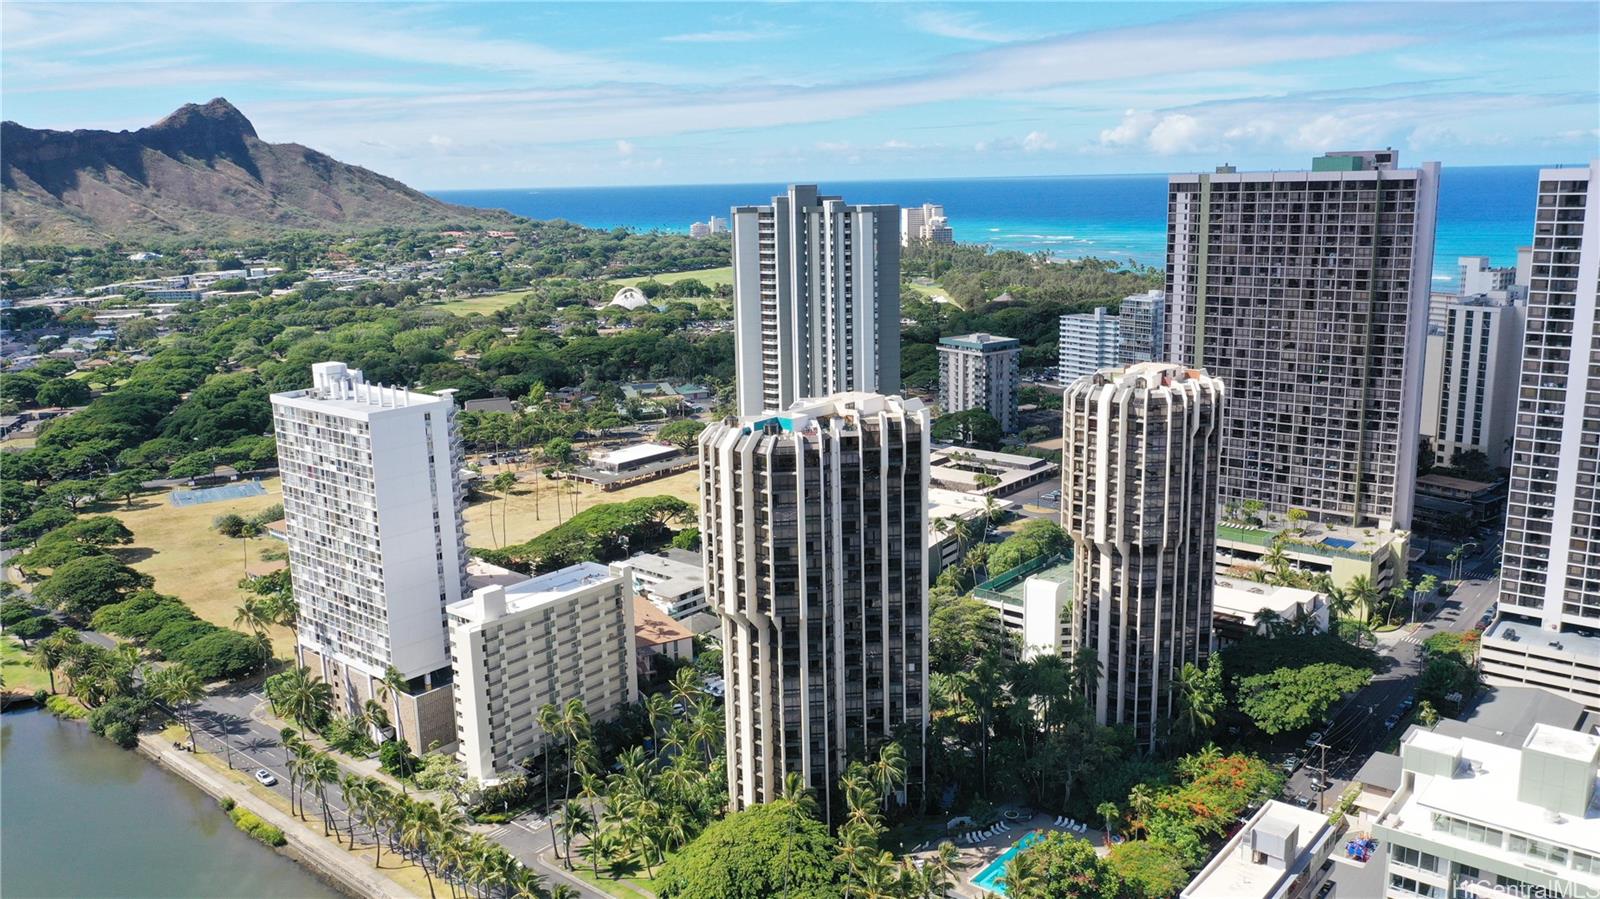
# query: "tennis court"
{"points": [[216, 494]]}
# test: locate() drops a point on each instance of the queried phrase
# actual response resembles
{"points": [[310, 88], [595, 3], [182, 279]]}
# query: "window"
{"points": [[1535, 849], [1407, 885], [1413, 858], [1467, 830]]}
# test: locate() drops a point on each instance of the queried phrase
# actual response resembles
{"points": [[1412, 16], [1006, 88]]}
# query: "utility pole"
{"points": [[1322, 774]]}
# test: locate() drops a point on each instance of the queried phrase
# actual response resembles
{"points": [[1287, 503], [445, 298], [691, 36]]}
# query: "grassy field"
{"points": [[711, 277], [20, 674], [487, 304], [522, 520], [18, 443], [930, 289], [189, 560]]}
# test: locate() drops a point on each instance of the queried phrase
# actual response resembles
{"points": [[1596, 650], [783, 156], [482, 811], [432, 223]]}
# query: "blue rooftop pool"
{"points": [[992, 877]]}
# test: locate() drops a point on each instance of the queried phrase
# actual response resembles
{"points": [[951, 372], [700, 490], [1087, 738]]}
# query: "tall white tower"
{"points": [[816, 286]]}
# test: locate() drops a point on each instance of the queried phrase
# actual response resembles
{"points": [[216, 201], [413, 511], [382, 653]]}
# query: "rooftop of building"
{"points": [[335, 387], [1453, 484], [1528, 636], [1008, 586], [1507, 715], [1319, 539], [672, 576], [652, 627], [1235, 874], [637, 452], [1247, 598], [533, 592], [981, 341], [807, 413], [1484, 786], [1381, 770]]}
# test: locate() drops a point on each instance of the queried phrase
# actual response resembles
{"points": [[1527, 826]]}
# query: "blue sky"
{"points": [[450, 95]]}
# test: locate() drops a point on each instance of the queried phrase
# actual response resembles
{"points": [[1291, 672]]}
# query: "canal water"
{"points": [[81, 818]]}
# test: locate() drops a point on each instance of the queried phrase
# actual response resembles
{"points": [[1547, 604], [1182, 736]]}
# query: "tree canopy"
{"points": [[1292, 698], [767, 850]]}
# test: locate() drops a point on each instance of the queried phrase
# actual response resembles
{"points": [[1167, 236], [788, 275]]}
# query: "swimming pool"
{"points": [[992, 878]]}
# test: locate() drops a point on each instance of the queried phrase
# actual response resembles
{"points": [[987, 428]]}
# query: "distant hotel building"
{"points": [[925, 223], [1469, 398], [1089, 342], [550, 639], [814, 523], [372, 511], [1141, 331], [816, 286], [1548, 634], [981, 371], [1139, 500], [1307, 294], [717, 225]]}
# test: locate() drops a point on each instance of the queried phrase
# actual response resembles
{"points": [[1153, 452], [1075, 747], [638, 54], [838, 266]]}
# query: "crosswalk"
{"points": [[1482, 571], [1414, 639]]}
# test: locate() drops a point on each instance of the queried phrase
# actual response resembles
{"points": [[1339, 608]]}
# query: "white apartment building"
{"points": [[816, 285], [1469, 381], [1089, 342], [672, 580], [925, 223], [1141, 328], [1474, 274], [565, 635], [1139, 500], [1307, 294], [981, 371], [372, 513], [1034, 606], [1550, 576], [1480, 819], [1282, 852], [814, 522]]}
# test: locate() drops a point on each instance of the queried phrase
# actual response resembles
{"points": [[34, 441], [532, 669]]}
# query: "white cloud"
{"points": [[834, 146], [725, 37], [440, 141], [1134, 126], [895, 144], [959, 25], [1037, 141], [1176, 133], [625, 148]]}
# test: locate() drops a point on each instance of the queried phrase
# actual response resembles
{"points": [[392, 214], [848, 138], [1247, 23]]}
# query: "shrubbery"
{"points": [[166, 626], [397, 759], [119, 719], [251, 823], [64, 707]]}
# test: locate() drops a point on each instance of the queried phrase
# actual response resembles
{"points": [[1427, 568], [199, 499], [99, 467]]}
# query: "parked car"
{"points": [[1314, 739], [1391, 721], [1292, 764], [266, 778]]}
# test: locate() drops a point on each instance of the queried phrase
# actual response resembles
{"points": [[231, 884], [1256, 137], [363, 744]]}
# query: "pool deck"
{"points": [[977, 856]]}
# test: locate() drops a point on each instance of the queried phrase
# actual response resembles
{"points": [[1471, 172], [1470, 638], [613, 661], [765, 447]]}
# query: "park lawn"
{"points": [[522, 524], [710, 277], [16, 666], [176, 546], [931, 289], [487, 304], [629, 886]]}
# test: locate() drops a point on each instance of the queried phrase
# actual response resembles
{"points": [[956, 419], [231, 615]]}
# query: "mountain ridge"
{"points": [[200, 171]]}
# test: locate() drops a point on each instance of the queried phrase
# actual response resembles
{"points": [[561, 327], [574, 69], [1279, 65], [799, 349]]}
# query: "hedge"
{"points": [[251, 823]]}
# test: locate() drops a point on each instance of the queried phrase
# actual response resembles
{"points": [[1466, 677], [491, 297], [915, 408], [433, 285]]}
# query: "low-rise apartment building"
{"points": [[1339, 551], [673, 580], [1282, 852], [1034, 602], [565, 635], [1477, 818]]}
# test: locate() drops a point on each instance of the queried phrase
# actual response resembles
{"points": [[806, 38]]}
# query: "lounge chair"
{"points": [[1083, 828]]}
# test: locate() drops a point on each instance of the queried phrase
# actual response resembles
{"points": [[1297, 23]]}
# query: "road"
{"points": [[1357, 727]]}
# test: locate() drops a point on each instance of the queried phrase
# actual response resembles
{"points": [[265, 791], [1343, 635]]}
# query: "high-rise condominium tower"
{"points": [[1307, 294], [1470, 377], [1550, 577], [1088, 342], [372, 507], [980, 371], [1139, 500], [1141, 328], [816, 286], [816, 563]]}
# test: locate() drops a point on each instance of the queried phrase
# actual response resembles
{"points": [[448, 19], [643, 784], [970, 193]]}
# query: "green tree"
{"points": [[80, 586], [763, 851], [1148, 869], [683, 433], [974, 428], [63, 392], [1292, 698], [178, 687], [1059, 866]]}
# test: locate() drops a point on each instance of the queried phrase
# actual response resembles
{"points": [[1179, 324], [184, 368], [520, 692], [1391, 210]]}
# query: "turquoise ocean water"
{"points": [[1483, 211]]}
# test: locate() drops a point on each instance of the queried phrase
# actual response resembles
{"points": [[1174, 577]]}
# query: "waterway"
{"points": [[81, 818]]}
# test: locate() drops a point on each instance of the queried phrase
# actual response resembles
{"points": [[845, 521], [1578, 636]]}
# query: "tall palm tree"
{"points": [[392, 684], [48, 654], [939, 872], [1141, 800], [686, 689], [1023, 877], [1362, 595], [796, 791], [299, 771], [657, 708], [576, 820], [305, 697], [252, 615], [377, 717], [889, 771], [418, 828], [178, 687], [549, 720], [574, 724]]}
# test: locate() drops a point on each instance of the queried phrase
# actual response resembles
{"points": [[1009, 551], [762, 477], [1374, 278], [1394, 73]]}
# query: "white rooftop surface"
{"points": [[1488, 796], [1569, 744], [1247, 598], [485, 574], [944, 503], [672, 577], [1232, 875], [365, 401], [637, 453], [537, 591]]}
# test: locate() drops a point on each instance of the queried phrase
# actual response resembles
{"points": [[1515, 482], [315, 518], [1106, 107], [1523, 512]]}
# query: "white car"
{"points": [[266, 778]]}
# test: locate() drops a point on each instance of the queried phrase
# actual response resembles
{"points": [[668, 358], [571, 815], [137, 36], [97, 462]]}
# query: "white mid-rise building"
{"points": [[816, 284], [1469, 384], [1034, 605], [1141, 328], [372, 512], [1481, 819], [926, 223], [814, 522], [981, 371], [542, 641], [1306, 292], [1550, 576], [1280, 853], [1089, 342], [673, 580], [1475, 275], [1139, 500]]}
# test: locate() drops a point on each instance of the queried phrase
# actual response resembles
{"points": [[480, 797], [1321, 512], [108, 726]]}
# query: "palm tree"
{"points": [[549, 720], [299, 772], [658, 709], [1108, 812], [321, 771], [305, 698], [353, 793], [1023, 877], [686, 688], [48, 654], [574, 724], [376, 716], [939, 872], [179, 687], [576, 820], [1141, 799], [1362, 596], [287, 737], [796, 791], [601, 846], [878, 876], [252, 615], [1199, 699], [418, 828], [392, 684], [889, 771]]}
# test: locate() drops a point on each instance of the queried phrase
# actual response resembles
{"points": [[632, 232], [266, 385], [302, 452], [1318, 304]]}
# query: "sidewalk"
{"points": [[313, 848]]}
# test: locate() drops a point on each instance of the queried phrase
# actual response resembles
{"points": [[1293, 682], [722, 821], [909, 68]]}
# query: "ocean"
{"points": [[1483, 211]]}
